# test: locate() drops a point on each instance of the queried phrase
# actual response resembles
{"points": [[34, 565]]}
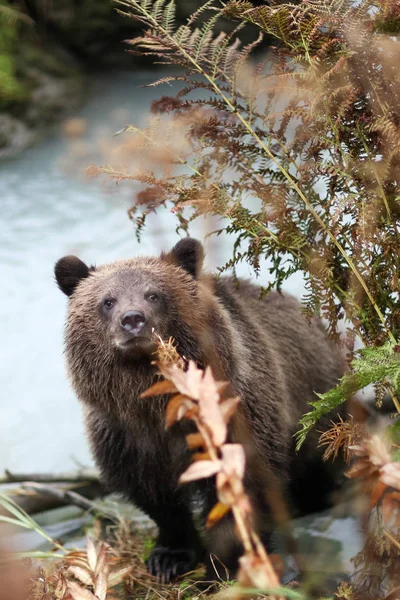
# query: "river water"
{"points": [[48, 210]]}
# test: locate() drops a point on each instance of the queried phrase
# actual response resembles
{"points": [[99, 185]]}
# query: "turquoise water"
{"points": [[50, 209]]}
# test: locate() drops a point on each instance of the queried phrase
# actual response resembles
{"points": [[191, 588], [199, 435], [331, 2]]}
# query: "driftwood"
{"points": [[65, 496], [82, 475], [35, 497], [75, 489]]}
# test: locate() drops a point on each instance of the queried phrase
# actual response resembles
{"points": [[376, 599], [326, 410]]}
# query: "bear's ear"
{"points": [[189, 255], [69, 271]]}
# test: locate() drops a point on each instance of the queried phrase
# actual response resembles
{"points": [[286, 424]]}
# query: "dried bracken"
{"points": [[167, 353], [377, 564], [340, 437], [197, 396], [299, 154], [312, 131], [380, 476], [371, 456], [63, 574], [96, 572]]}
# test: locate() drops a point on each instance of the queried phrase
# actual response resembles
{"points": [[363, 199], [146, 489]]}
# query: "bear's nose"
{"points": [[133, 321]]}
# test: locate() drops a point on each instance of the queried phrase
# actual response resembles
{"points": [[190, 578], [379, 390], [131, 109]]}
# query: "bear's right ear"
{"points": [[69, 271], [189, 255]]}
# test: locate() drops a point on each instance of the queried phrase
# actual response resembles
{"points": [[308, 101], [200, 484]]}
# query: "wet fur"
{"points": [[275, 360]]}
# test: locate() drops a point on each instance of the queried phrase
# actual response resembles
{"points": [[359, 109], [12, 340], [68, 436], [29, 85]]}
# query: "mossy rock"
{"points": [[52, 86], [15, 136]]}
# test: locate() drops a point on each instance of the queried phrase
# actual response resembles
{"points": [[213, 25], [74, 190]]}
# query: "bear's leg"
{"points": [[150, 485], [178, 547]]}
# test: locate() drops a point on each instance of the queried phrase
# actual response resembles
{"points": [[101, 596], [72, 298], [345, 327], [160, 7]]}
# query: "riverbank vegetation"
{"points": [[297, 155]]}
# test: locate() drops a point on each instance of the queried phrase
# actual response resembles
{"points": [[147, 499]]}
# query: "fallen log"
{"points": [[66, 496], [83, 475], [34, 501]]}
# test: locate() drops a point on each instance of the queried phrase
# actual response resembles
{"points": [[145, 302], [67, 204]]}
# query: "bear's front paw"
{"points": [[168, 563]]}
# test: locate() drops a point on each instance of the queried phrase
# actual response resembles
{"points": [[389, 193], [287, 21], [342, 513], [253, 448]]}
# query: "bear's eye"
{"points": [[152, 297], [108, 303]]}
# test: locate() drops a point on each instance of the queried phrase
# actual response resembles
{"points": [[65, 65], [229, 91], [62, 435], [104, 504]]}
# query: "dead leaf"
{"points": [[379, 454], [187, 382], [233, 459], [228, 407], [209, 409], [77, 561], [82, 575], [221, 385], [377, 492], [194, 440], [91, 554], [79, 593], [254, 572], [77, 555], [200, 456], [278, 564], [176, 409], [160, 388], [101, 586], [116, 577], [360, 469], [390, 474], [390, 508], [358, 450], [101, 558], [224, 487], [217, 513], [200, 470], [192, 413], [61, 588]]}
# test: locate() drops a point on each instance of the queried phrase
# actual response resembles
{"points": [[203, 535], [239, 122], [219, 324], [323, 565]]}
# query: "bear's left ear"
{"points": [[69, 271], [189, 255]]}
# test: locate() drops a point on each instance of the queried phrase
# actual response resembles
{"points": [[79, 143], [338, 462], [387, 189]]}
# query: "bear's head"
{"points": [[115, 309]]}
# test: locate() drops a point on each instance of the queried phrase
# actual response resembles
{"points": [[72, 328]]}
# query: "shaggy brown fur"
{"points": [[274, 358]]}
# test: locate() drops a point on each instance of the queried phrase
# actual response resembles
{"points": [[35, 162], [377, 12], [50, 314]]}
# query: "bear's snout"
{"points": [[133, 321]]}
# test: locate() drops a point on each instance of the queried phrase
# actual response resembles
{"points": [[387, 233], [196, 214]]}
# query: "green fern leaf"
{"points": [[158, 11], [195, 16], [182, 35], [205, 36], [168, 19], [375, 364]]}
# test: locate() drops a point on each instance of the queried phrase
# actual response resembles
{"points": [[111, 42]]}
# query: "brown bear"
{"points": [[274, 358]]}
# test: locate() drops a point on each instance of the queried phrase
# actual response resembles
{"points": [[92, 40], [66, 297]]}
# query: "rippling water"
{"points": [[45, 214]]}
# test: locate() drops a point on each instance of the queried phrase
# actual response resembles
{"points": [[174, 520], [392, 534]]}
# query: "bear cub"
{"points": [[274, 358]]}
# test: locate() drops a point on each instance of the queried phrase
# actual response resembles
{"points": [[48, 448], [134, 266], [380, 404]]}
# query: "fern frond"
{"points": [[205, 37], [374, 365], [168, 17], [194, 17], [158, 11], [182, 35]]}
